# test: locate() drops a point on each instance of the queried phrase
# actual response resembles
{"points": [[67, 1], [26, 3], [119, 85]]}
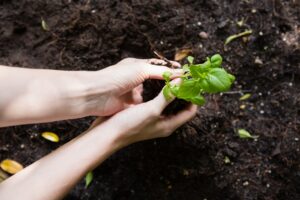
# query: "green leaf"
{"points": [[190, 59], [245, 134], [166, 75], [216, 60], [198, 100], [188, 88], [88, 178], [186, 68], [233, 37], [245, 97], [167, 92], [217, 80]]}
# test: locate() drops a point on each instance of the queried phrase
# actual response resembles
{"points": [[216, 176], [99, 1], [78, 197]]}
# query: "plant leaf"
{"points": [[88, 178], [50, 136], [226, 160], [167, 92], [190, 59], [11, 166], [245, 134], [233, 37], [217, 80], [166, 75], [188, 89], [180, 55], [44, 25], [198, 100], [216, 60], [245, 96]]}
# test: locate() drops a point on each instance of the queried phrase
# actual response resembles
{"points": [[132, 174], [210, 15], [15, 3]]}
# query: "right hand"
{"points": [[145, 121]]}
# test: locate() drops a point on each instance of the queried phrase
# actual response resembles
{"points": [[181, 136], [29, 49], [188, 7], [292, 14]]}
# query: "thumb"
{"points": [[160, 101]]}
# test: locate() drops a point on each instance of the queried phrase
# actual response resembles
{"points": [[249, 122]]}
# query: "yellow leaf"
{"points": [[180, 55], [11, 166], [44, 25], [245, 96], [50, 136]]}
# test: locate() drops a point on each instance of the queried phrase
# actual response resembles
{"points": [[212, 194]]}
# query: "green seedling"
{"points": [[233, 37], [88, 178], [198, 79], [244, 134], [245, 97]]}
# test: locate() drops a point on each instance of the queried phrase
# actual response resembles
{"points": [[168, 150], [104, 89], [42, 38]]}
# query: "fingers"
{"points": [[155, 61], [160, 102], [170, 124], [155, 69]]}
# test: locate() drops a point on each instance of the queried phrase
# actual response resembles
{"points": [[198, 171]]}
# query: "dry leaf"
{"points": [[11, 166], [50, 136], [183, 53]]}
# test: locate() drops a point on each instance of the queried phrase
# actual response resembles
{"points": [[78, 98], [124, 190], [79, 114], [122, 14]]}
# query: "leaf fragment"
{"points": [[245, 96], [167, 76], [235, 36], [50, 136], [245, 134], [167, 92], [181, 54], [190, 59], [88, 178], [11, 166], [44, 25], [3, 176], [226, 160]]}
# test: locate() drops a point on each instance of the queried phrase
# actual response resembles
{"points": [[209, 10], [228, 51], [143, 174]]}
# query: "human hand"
{"points": [[145, 121], [122, 84]]}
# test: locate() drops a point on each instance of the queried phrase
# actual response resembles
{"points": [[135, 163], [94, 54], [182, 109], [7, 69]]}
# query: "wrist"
{"points": [[94, 92]]}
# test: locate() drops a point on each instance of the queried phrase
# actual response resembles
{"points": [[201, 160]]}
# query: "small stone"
{"points": [[268, 185], [161, 42], [243, 106], [22, 146], [200, 46], [261, 112], [199, 23], [169, 187], [258, 61], [290, 84], [261, 33], [253, 10], [245, 183], [262, 104], [203, 35], [260, 94], [296, 139], [93, 11]]}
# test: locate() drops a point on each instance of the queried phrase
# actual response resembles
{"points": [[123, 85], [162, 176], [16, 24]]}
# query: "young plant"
{"points": [[199, 79]]}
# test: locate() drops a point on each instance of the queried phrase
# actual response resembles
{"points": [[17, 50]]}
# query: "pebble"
{"points": [[262, 104], [199, 23], [261, 112], [291, 84], [22, 146], [93, 11], [245, 183], [268, 185], [296, 139], [243, 106], [203, 35], [260, 94], [261, 33], [258, 61], [253, 10]]}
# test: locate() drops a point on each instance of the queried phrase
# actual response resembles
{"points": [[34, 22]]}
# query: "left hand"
{"points": [[123, 83]]}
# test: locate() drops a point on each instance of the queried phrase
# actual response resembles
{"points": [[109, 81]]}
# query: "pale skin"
{"points": [[36, 96]]}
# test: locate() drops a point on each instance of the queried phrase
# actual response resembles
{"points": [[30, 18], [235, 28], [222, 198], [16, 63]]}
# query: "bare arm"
{"points": [[54, 175], [34, 96]]}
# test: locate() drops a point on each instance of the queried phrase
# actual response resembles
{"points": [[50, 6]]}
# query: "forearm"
{"points": [[54, 175], [33, 95]]}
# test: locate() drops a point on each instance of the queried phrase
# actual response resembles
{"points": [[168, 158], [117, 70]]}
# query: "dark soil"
{"points": [[91, 35]]}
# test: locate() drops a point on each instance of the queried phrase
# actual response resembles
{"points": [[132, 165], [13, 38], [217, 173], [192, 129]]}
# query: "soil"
{"points": [[91, 35]]}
